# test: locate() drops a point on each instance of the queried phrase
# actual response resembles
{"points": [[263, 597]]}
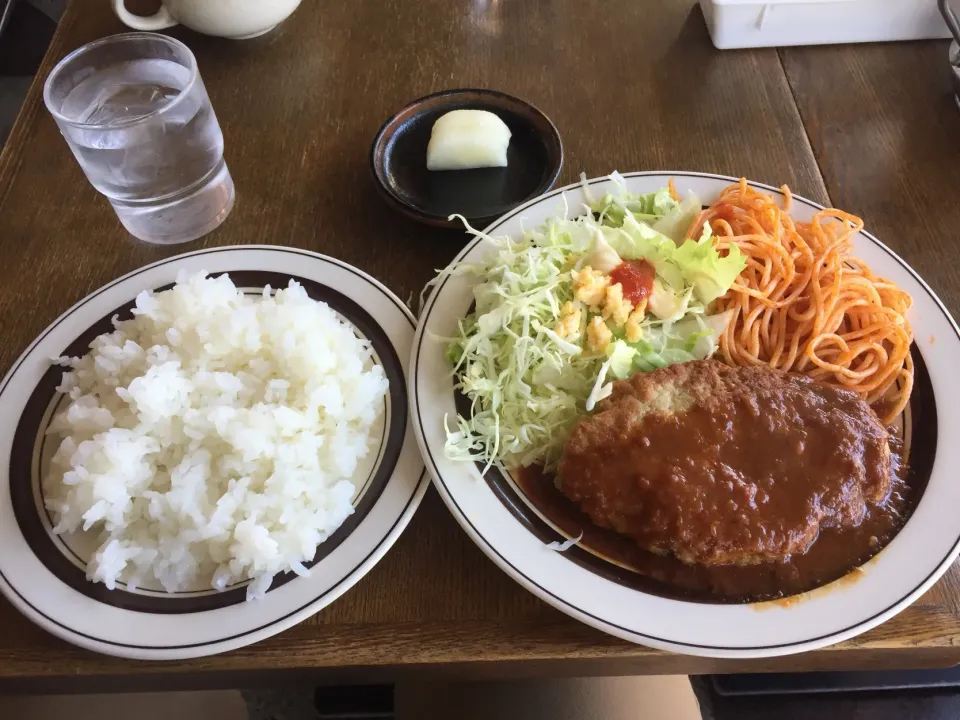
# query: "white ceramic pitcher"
{"points": [[236, 19]]}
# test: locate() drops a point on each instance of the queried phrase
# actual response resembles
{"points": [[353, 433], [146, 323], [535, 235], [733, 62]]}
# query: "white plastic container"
{"points": [[774, 23]]}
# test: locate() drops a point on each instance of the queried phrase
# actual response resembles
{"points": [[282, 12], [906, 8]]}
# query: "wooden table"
{"points": [[870, 128]]}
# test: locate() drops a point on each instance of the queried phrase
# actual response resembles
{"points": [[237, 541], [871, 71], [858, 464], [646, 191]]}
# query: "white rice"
{"points": [[214, 437]]}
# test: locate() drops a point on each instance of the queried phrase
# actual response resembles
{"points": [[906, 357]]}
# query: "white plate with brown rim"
{"points": [[43, 574], [512, 524]]}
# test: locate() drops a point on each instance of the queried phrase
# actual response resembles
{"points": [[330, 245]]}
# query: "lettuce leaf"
{"points": [[697, 264], [676, 222], [614, 207], [621, 357], [703, 268]]}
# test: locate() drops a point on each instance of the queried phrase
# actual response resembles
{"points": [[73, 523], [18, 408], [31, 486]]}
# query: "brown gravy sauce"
{"points": [[835, 553]]}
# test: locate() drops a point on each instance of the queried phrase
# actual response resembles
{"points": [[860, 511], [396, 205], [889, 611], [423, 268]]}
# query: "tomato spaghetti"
{"points": [[804, 304]]}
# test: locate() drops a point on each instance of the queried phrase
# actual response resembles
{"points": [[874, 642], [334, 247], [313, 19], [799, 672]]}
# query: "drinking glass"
{"points": [[137, 117]]}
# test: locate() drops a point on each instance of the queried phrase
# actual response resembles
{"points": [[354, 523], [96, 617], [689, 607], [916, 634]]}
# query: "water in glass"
{"points": [[147, 137]]}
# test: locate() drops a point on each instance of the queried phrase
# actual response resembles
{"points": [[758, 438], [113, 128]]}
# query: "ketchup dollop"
{"points": [[636, 279]]}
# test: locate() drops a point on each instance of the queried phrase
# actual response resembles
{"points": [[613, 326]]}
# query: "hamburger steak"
{"points": [[720, 465]]}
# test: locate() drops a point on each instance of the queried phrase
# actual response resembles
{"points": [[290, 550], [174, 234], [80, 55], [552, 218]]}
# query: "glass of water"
{"points": [[137, 117]]}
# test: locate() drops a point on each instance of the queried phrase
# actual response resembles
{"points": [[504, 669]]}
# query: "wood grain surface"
{"points": [[629, 89]]}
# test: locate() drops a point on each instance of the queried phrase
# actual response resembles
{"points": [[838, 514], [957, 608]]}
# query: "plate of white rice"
{"points": [[206, 452]]}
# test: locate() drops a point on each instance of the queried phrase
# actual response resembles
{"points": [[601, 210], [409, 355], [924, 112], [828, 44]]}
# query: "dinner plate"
{"points": [[514, 531], [42, 574]]}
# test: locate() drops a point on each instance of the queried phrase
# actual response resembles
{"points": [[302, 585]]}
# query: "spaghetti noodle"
{"points": [[805, 304]]}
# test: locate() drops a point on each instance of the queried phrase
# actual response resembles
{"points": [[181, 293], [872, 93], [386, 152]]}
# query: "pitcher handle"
{"points": [[160, 20]]}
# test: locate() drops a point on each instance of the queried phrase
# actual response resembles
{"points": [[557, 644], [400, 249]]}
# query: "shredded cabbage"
{"points": [[527, 385]]}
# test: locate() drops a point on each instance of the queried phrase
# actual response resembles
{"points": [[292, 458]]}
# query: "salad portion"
{"points": [[573, 305]]}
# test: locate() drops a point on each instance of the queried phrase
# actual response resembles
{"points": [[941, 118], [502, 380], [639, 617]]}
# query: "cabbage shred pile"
{"points": [[528, 386]]}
